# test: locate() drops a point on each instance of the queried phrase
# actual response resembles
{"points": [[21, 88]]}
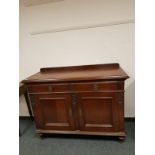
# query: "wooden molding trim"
{"points": [[132, 119]]}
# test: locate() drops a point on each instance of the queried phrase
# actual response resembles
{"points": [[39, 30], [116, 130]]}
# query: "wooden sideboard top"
{"points": [[79, 73]]}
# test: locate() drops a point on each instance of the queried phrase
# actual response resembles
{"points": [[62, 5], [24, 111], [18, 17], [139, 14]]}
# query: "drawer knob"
{"points": [[50, 88], [95, 87]]}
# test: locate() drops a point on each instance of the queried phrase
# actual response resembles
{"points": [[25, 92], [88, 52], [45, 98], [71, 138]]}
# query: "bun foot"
{"points": [[40, 135], [121, 139]]}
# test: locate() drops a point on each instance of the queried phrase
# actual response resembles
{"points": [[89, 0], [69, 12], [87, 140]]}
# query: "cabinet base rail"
{"points": [[119, 134]]}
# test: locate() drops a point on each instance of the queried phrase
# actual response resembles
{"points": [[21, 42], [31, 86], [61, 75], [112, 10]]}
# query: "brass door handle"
{"points": [[95, 87], [70, 111], [74, 99], [80, 112]]}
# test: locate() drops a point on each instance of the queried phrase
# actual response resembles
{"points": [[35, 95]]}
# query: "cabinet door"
{"points": [[53, 111], [98, 112]]}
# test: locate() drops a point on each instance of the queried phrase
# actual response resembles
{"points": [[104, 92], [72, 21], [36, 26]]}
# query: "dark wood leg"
{"points": [[28, 106], [121, 139]]}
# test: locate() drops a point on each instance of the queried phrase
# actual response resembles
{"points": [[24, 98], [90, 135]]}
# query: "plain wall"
{"points": [[107, 44]]}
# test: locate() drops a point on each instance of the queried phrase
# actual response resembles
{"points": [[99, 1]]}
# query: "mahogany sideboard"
{"points": [[78, 100]]}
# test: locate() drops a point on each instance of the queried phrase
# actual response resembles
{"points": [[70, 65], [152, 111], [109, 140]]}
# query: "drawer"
{"points": [[48, 88], [89, 86], [98, 86]]}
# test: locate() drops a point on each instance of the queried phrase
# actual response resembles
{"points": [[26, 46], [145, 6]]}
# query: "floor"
{"points": [[32, 144]]}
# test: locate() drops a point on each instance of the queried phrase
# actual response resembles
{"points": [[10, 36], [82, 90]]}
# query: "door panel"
{"points": [[54, 112], [98, 111]]}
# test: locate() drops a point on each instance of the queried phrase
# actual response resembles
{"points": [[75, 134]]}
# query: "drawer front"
{"points": [[48, 88], [98, 86], [77, 87]]}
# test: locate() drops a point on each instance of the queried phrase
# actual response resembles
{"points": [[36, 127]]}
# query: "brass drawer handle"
{"points": [[95, 87], [50, 88]]}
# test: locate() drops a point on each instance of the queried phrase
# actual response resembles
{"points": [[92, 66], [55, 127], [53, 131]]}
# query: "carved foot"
{"points": [[40, 135], [121, 139]]}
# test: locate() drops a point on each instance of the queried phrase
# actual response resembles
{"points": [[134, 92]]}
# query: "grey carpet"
{"points": [[31, 144]]}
